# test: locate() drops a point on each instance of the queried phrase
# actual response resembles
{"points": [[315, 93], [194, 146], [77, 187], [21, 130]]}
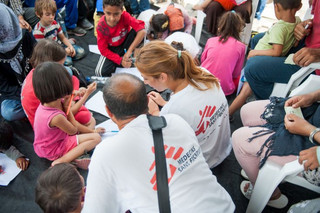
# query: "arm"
{"points": [[306, 56], [153, 108], [91, 88], [311, 158], [16, 6], [70, 50], [300, 30], [275, 51], [137, 40], [14, 154]]}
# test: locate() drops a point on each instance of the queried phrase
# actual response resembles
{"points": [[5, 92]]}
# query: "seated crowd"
{"points": [[38, 83]]}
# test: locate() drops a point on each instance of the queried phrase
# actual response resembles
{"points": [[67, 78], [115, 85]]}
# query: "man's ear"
{"points": [[109, 112]]}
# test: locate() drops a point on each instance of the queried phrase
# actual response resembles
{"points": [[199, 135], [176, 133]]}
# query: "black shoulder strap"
{"points": [[156, 124]]}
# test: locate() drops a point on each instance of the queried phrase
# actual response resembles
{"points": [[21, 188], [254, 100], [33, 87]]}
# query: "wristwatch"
{"points": [[312, 134]]}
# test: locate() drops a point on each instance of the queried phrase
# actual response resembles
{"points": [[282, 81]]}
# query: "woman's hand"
{"points": [[153, 107], [156, 97], [24, 24], [310, 158], [297, 125], [302, 100], [22, 163]]}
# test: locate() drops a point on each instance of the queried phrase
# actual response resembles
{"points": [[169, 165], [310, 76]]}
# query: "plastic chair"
{"points": [[200, 17], [246, 34], [269, 177], [310, 85], [282, 90]]}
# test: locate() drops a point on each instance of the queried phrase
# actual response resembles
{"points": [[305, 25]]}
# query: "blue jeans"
{"points": [[71, 18], [262, 72], [260, 8], [138, 8], [12, 110]]}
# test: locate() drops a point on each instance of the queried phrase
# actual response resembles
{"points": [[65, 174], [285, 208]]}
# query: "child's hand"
{"points": [[82, 91], [91, 88], [70, 51], [100, 130], [156, 97], [126, 60], [22, 163], [251, 54]]}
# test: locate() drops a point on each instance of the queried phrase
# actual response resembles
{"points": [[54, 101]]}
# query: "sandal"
{"points": [[279, 203]]}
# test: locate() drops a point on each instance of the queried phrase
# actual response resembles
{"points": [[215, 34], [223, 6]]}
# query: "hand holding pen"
{"points": [[126, 59]]}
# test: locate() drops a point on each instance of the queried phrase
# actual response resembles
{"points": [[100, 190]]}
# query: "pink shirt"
{"points": [[50, 142], [224, 60], [313, 40]]}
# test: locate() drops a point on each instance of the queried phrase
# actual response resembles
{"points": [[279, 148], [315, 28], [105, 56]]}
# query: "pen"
{"points": [[125, 50], [306, 27], [113, 131], [69, 105]]}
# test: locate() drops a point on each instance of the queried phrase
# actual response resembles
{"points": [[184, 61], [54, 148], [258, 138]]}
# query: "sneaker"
{"points": [[279, 203], [83, 161], [85, 24], [78, 31]]}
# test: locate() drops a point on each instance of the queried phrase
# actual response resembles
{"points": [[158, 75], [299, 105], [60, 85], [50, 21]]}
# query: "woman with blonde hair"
{"points": [[196, 96]]}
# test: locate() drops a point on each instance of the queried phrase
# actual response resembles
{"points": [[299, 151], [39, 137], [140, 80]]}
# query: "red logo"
{"points": [[205, 119], [170, 153]]}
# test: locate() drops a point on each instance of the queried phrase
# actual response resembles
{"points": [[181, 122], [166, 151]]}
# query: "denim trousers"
{"points": [[139, 7], [12, 110]]}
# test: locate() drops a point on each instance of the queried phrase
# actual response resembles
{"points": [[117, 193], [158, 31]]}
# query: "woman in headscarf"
{"points": [[16, 47]]}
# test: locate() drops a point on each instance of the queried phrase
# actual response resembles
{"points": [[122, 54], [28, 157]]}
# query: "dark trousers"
{"points": [[106, 67]]}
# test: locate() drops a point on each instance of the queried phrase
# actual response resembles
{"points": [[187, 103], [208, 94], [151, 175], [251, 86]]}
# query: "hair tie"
{"points": [[179, 53], [164, 25], [232, 11]]}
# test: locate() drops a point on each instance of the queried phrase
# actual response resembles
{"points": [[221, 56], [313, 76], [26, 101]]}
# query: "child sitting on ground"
{"points": [[60, 189], [48, 28], [276, 42], [224, 55], [49, 50], [169, 18], [6, 147], [55, 127], [118, 35]]}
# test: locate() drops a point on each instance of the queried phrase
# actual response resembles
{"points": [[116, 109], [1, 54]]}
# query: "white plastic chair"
{"points": [[310, 85], [269, 177], [246, 34], [282, 90]]}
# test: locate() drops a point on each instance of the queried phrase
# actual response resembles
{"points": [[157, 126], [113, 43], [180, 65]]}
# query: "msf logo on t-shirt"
{"points": [[171, 152], [205, 121]]}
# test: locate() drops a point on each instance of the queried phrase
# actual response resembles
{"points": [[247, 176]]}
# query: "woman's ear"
{"points": [[163, 77]]}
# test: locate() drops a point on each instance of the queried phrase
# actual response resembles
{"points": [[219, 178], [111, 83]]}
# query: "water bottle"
{"points": [[99, 80]]}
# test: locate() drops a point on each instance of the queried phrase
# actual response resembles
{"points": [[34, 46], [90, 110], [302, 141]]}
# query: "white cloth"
{"points": [[207, 114], [122, 173], [188, 41]]}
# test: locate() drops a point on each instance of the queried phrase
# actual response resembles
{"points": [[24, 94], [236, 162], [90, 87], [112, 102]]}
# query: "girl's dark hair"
{"points": [[118, 3], [177, 45], [59, 189], [47, 50], [51, 81], [6, 135], [159, 23], [230, 25]]}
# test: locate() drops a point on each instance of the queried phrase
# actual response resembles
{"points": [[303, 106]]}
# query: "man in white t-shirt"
{"points": [[122, 170]]}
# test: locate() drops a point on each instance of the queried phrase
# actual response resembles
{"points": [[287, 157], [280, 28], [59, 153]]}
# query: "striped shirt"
{"points": [[50, 32]]}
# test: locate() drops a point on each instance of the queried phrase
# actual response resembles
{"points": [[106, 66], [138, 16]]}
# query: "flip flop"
{"points": [[244, 174], [279, 203]]}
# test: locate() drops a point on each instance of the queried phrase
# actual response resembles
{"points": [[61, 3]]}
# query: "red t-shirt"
{"points": [[29, 100], [114, 36], [313, 40]]}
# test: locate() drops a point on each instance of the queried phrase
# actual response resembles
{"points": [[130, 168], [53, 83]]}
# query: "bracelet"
{"points": [[312, 134]]}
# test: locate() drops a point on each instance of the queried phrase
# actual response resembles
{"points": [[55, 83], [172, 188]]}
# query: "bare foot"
{"points": [[197, 7]]}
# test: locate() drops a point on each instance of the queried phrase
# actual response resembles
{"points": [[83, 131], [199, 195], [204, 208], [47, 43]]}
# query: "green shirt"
{"points": [[280, 33]]}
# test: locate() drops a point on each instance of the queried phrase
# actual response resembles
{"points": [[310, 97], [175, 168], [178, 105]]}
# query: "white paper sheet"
{"points": [[110, 127], [94, 49], [133, 71], [10, 170], [97, 104]]}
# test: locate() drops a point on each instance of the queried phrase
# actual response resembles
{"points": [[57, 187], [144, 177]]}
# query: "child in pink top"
{"points": [[48, 50], [224, 55], [55, 127]]}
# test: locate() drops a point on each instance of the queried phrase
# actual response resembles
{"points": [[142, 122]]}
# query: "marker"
{"points": [[113, 131], [306, 27], [69, 105], [125, 50]]}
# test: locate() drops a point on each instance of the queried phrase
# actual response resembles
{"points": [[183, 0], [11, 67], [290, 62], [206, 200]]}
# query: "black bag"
{"points": [[80, 76]]}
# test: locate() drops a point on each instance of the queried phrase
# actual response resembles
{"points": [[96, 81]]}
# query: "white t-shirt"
{"points": [[122, 172], [207, 114]]}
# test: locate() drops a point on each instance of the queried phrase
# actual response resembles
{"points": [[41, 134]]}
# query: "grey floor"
{"points": [[18, 196]]}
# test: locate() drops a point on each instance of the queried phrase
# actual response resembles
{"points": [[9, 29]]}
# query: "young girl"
{"points": [[224, 55], [48, 50], [196, 96], [55, 127]]}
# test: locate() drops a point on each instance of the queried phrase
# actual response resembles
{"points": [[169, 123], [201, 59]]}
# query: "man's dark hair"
{"points": [[6, 135], [59, 189], [125, 96], [288, 4], [118, 3], [51, 81]]}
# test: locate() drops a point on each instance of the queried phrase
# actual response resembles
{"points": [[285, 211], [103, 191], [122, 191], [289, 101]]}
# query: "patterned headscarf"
{"points": [[10, 31]]}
